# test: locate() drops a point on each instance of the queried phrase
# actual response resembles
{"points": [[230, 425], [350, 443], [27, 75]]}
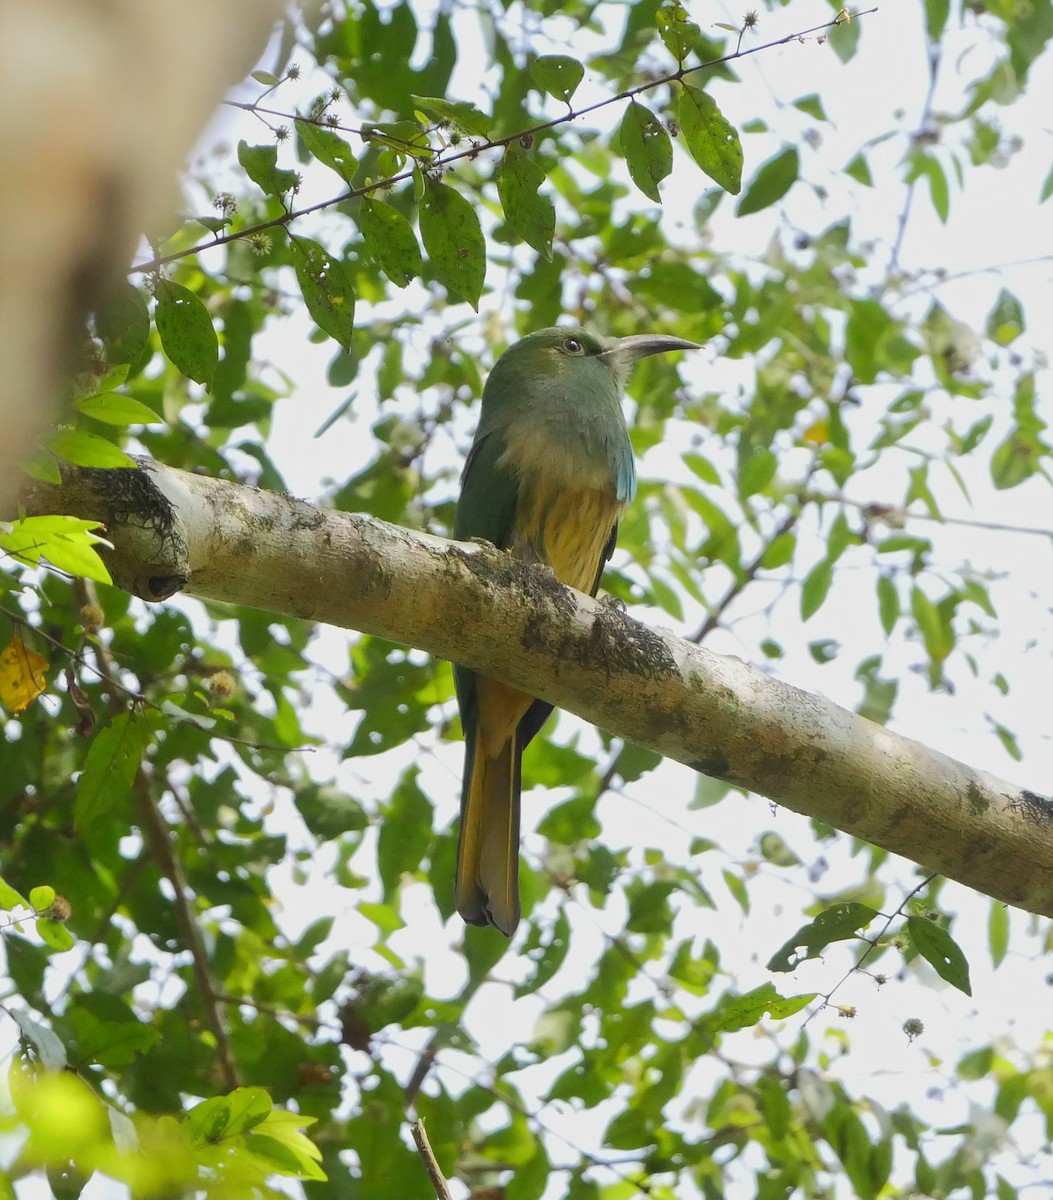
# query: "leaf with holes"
{"points": [[713, 142], [187, 334], [260, 163], [391, 241], [937, 947], [676, 29], [558, 75], [834, 924], [328, 289], [328, 148], [453, 238], [527, 212], [647, 148]]}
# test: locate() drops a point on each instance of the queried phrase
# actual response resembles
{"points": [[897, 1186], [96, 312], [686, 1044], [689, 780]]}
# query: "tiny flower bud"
{"points": [[92, 617], [222, 685]]}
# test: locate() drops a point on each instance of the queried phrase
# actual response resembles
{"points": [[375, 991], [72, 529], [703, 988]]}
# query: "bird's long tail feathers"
{"points": [[488, 850]]}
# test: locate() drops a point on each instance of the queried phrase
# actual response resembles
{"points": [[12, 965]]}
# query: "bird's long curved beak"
{"points": [[640, 345]]}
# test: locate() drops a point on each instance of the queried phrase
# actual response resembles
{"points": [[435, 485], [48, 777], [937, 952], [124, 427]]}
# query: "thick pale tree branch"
{"points": [[475, 605]]}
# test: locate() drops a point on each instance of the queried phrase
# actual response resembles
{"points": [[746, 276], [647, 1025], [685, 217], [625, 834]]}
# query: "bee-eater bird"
{"points": [[547, 477]]}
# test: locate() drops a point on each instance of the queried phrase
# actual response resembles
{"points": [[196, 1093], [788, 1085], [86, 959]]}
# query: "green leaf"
{"points": [[328, 148], [779, 551], [109, 769], [930, 167], [1005, 322], [734, 1012], [937, 947], [933, 623], [260, 164], [460, 113], [187, 334], [888, 602], [390, 240], [123, 324], [227, 1116], [647, 148], [812, 105], [282, 1131], [68, 543], [859, 170], [85, 449], [327, 285], [558, 75], [1047, 188], [998, 932], [530, 214], [113, 408], [713, 142], [757, 471], [41, 897], [936, 14], [405, 833], [834, 924], [453, 238], [772, 181], [815, 587], [54, 935], [679, 33], [10, 899]]}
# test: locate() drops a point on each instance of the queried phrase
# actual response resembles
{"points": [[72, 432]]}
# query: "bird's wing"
{"points": [[487, 505], [486, 509]]}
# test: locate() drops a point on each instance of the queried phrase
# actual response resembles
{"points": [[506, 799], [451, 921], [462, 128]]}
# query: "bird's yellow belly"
{"points": [[566, 529]]}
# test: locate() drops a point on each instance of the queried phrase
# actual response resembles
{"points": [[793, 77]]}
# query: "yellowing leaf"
{"points": [[818, 433], [23, 675]]}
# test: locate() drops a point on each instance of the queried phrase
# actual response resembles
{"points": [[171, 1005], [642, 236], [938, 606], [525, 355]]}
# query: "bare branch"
{"points": [[472, 604], [438, 1180], [443, 161]]}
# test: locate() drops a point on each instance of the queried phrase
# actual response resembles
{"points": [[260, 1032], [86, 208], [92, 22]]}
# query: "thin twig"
{"points": [[479, 147], [872, 945], [713, 620], [895, 517], [431, 1165], [926, 110], [158, 836]]}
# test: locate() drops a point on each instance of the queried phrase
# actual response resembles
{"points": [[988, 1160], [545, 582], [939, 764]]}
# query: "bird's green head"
{"points": [[570, 352]]}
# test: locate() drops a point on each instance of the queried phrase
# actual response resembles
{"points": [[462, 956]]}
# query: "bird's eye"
{"points": [[573, 346]]}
